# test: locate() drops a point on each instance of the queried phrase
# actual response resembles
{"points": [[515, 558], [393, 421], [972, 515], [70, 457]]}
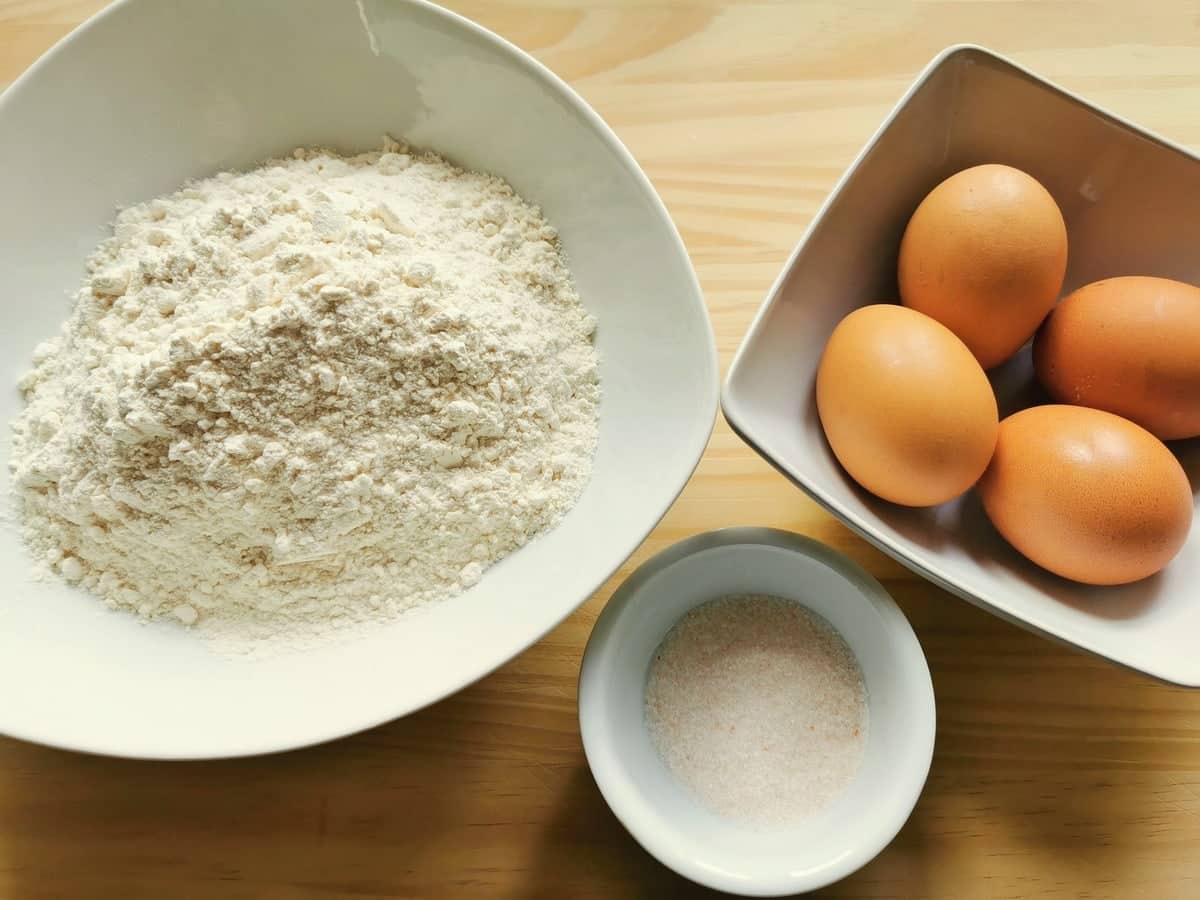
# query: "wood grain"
{"points": [[1055, 775]]}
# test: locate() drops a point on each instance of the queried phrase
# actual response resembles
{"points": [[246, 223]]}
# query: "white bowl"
{"points": [[659, 811], [1130, 202], [149, 94]]}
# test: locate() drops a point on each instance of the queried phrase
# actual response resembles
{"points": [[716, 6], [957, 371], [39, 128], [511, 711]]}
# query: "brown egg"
{"points": [[985, 254], [1086, 494], [905, 406], [1130, 346]]}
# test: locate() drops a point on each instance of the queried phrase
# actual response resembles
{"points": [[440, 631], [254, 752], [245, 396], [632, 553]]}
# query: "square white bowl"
{"points": [[1130, 200]]}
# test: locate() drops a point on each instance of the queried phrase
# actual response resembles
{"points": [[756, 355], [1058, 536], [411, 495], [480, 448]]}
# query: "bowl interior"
{"points": [[660, 812], [138, 101], [1129, 201]]}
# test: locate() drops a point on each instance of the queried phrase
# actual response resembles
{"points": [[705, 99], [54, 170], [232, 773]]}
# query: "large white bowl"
{"points": [[149, 94], [1130, 200]]}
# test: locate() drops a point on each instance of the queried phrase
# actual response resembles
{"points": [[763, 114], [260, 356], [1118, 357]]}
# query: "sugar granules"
{"points": [[758, 706]]}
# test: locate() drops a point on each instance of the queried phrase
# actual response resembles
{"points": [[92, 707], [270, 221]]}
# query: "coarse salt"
{"points": [[758, 706]]}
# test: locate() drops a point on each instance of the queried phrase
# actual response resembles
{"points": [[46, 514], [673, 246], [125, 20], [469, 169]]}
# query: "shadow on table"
{"points": [[584, 851], [1050, 768], [1053, 770], [423, 807]]}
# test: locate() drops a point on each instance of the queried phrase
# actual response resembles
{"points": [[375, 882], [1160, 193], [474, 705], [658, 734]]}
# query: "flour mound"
{"points": [[319, 392]]}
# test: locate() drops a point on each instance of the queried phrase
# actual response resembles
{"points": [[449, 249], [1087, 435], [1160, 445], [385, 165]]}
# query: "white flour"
{"points": [[313, 394]]}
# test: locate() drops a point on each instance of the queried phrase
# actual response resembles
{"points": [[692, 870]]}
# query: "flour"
{"points": [[317, 393]]}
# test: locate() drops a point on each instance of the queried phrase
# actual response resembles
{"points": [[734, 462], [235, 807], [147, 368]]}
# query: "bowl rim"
{"points": [[695, 444], [732, 405], [623, 798]]}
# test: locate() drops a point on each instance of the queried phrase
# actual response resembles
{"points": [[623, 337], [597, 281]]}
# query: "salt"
{"points": [[758, 706]]}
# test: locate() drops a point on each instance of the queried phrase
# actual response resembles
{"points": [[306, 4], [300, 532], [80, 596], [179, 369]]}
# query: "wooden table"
{"points": [[1056, 775]]}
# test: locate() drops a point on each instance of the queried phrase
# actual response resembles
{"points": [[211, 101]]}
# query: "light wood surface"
{"points": [[1055, 776]]}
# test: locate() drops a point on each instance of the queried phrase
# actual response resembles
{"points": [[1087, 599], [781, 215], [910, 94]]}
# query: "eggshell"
{"points": [[1087, 494], [905, 406], [985, 254], [1128, 345]]}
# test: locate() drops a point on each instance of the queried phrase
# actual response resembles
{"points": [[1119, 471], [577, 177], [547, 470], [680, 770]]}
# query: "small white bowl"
{"points": [[147, 95], [660, 812], [1129, 199]]}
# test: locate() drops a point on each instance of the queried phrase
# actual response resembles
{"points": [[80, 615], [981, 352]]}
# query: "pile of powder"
{"points": [[315, 393], [759, 707]]}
